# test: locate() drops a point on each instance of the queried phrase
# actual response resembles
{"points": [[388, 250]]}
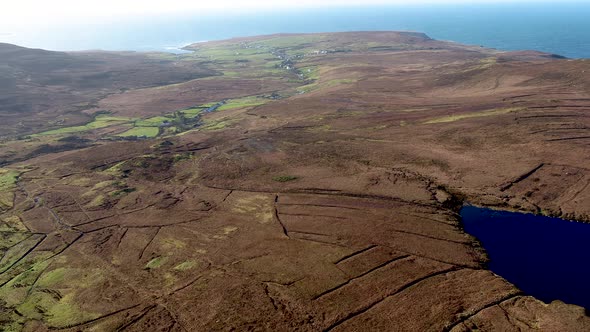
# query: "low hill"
{"points": [[40, 87]]}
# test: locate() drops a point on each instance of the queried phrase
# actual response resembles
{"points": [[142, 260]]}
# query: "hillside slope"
{"points": [[310, 183]]}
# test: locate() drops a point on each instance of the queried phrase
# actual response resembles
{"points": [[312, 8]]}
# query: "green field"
{"points": [[152, 122], [243, 102], [8, 179], [149, 132], [101, 121], [215, 125], [291, 41], [457, 117], [285, 178]]}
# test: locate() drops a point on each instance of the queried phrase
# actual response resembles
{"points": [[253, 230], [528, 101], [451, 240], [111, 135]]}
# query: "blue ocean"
{"points": [[554, 27]]}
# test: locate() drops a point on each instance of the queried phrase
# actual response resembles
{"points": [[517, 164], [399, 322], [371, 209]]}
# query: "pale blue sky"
{"points": [[41, 12], [552, 26]]}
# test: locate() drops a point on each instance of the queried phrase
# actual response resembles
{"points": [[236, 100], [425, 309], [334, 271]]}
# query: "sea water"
{"points": [[556, 27]]}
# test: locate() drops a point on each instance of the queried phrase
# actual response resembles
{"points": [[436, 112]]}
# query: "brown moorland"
{"points": [[284, 182]]}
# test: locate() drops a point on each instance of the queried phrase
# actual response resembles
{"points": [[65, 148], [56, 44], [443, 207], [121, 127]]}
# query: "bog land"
{"points": [[286, 182]]}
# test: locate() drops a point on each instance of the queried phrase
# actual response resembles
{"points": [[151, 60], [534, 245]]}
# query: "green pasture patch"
{"points": [[232, 74], [243, 102], [62, 311], [310, 73], [12, 224], [17, 251], [113, 170], [6, 200], [105, 118], [52, 277], [170, 243], [149, 132], [285, 178], [8, 179], [181, 156], [174, 85], [152, 122], [231, 53], [215, 125], [9, 238], [291, 41], [96, 202], [184, 266], [457, 117], [307, 88], [192, 112], [57, 312], [80, 182], [66, 312], [172, 130], [208, 105], [121, 192], [14, 292], [49, 296], [101, 121], [317, 85], [163, 56], [156, 263]]}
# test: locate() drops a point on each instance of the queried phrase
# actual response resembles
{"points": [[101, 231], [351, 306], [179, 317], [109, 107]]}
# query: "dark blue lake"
{"points": [[544, 257]]}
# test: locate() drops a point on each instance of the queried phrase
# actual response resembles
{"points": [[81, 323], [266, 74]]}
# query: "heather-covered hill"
{"points": [[309, 182]]}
